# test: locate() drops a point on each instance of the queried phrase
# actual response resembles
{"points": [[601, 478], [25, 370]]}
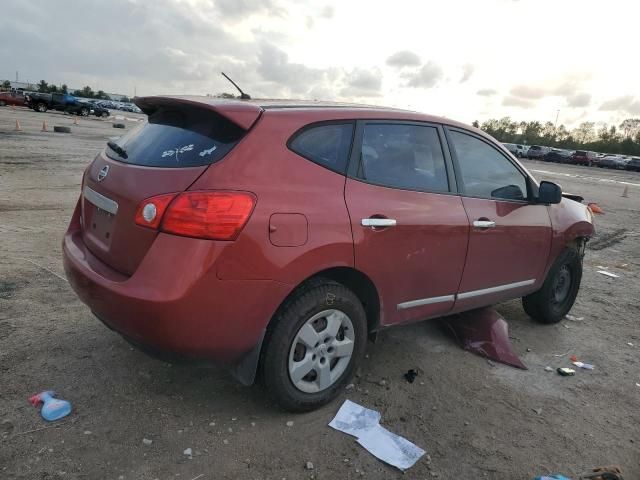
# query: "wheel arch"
{"points": [[360, 284]]}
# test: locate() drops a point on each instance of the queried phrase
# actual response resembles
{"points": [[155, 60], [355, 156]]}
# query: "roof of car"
{"points": [[320, 110]]}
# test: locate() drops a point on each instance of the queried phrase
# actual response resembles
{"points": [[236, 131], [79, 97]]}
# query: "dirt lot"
{"points": [[475, 419]]}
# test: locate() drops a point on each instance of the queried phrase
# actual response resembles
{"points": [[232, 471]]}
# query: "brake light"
{"points": [[151, 210], [213, 215]]}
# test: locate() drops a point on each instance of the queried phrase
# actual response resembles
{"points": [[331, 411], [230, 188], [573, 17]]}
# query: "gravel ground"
{"points": [[474, 418]]}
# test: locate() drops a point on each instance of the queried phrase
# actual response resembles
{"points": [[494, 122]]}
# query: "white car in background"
{"points": [[518, 150]]}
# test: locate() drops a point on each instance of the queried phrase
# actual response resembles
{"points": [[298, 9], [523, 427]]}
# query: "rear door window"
{"points": [[328, 145], [403, 156], [177, 138]]}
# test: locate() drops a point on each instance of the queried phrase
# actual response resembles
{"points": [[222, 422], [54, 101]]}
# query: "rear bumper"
{"points": [[174, 302]]}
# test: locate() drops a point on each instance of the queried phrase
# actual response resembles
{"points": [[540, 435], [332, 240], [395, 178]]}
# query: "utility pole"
{"points": [[555, 126]]}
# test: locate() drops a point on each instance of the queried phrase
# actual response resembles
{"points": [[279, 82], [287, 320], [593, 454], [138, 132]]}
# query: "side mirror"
{"points": [[549, 192]]}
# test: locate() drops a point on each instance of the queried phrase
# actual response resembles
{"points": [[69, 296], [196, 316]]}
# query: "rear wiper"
{"points": [[118, 149]]}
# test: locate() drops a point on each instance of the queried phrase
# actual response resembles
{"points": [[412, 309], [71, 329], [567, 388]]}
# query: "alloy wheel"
{"points": [[321, 351]]}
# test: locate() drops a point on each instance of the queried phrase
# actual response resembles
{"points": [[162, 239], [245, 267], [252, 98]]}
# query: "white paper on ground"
{"points": [[608, 274], [364, 424], [354, 419], [390, 448]]}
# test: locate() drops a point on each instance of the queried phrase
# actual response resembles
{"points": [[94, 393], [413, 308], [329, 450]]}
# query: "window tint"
{"points": [[328, 145], [184, 137], [403, 156], [486, 172]]}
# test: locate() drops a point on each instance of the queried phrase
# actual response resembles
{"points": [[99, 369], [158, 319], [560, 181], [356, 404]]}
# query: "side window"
{"points": [[329, 145], [403, 156], [485, 171]]}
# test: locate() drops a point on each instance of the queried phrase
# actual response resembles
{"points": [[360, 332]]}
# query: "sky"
{"points": [[463, 59]]}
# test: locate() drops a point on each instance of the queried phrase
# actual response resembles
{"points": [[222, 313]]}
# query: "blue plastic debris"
{"points": [[53, 408]]}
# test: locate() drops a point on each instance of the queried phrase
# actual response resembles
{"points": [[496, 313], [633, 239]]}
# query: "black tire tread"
{"points": [[538, 306], [300, 305]]}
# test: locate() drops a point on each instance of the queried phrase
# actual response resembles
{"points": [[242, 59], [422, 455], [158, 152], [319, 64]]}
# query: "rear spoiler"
{"points": [[244, 114], [573, 196]]}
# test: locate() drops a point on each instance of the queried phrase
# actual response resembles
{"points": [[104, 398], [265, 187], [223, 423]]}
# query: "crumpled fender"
{"points": [[569, 220]]}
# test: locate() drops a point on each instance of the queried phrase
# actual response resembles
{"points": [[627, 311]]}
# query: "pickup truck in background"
{"points": [[41, 102]]}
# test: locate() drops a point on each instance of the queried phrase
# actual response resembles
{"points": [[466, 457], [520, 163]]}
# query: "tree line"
{"points": [[623, 139], [85, 92]]}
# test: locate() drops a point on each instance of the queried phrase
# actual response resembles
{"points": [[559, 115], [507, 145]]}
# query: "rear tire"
{"points": [[558, 292], [321, 330], [2, 103]]}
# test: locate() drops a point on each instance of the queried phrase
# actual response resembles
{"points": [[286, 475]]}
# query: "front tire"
{"points": [[41, 107], [318, 337], [558, 292]]}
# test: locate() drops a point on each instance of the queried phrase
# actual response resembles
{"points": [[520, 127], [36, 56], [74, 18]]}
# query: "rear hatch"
{"points": [[165, 154]]}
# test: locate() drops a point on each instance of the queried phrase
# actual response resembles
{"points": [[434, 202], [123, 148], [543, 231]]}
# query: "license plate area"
{"points": [[99, 215]]}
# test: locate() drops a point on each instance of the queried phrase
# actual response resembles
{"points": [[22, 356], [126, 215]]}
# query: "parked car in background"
{"points": [[558, 155], [613, 161], [519, 151], [537, 152], [277, 239], [12, 98], [583, 157], [634, 164], [98, 110]]}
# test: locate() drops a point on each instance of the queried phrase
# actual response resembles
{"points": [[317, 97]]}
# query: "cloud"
{"points": [[511, 101], [528, 92], [274, 66], [328, 12], [404, 58], [486, 92], [244, 8], [625, 103], [428, 76], [361, 82], [160, 46], [569, 88], [467, 71], [578, 100]]}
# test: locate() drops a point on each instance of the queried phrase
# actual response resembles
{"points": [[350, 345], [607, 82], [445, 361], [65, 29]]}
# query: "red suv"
{"points": [[276, 237], [581, 157]]}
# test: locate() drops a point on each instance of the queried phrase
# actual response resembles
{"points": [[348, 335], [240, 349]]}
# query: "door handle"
{"points": [[378, 222], [484, 224]]}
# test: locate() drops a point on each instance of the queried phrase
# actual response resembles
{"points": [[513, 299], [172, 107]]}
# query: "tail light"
{"points": [[150, 211], [212, 215]]}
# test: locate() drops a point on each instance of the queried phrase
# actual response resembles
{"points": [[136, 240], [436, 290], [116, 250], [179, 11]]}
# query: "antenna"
{"points": [[243, 96]]}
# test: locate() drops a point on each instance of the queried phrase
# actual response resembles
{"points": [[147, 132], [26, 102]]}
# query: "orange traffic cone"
{"points": [[595, 208], [18, 127], [44, 126], [75, 120], [625, 193]]}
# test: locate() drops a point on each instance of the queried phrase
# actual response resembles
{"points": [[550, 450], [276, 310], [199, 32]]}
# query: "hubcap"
{"points": [[321, 351], [562, 285]]}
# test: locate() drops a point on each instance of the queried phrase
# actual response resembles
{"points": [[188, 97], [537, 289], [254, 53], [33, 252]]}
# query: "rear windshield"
{"points": [[176, 138], [535, 147], [580, 152]]}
